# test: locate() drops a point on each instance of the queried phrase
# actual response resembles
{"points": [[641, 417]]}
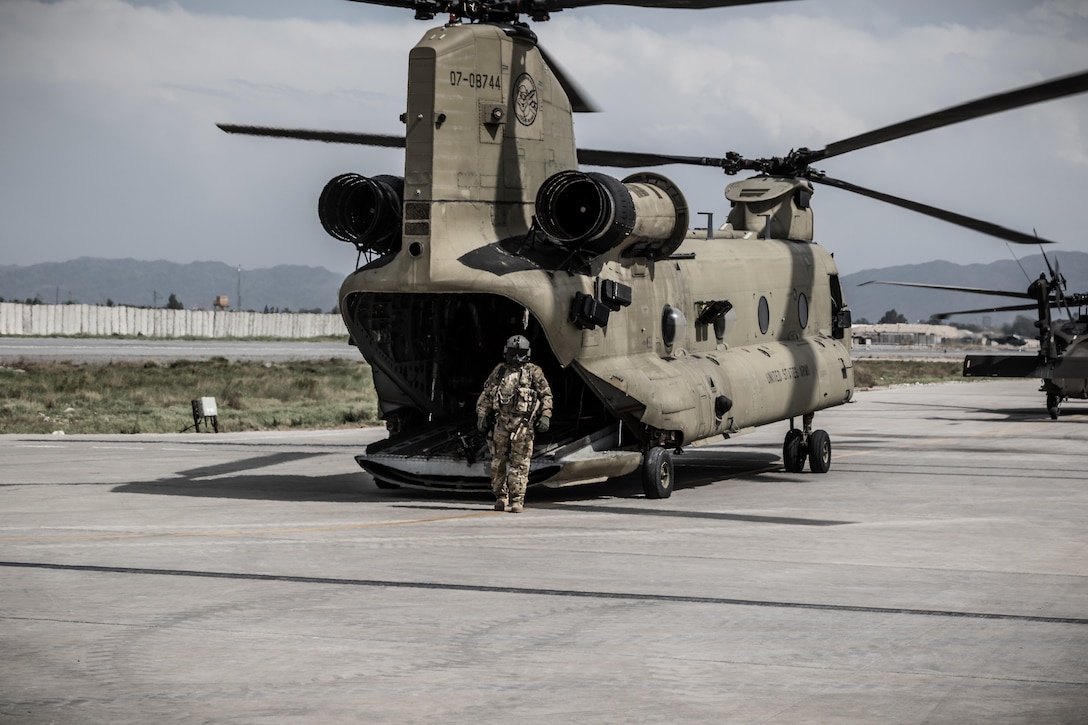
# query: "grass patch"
{"points": [[873, 373], [156, 398]]}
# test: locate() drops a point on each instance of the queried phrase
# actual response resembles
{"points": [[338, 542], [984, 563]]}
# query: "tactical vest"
{"points": [[514, 393]]}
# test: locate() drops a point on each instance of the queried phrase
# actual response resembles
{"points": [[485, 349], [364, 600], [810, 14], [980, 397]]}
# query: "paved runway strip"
{"points": [[938, 573]]}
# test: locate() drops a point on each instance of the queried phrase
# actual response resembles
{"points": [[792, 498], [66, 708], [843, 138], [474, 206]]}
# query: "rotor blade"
{"points": [[633, 159], [580, 102], [1050, 269], [591, 157], [556, 5], [618, 159], [978, 225], [364, 139], [1046, 91], [1011, 308], [953, 288], [547, 6], [410, 4]]}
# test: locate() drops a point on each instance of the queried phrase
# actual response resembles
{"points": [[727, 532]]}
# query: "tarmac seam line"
{"points": [[646, 597]]}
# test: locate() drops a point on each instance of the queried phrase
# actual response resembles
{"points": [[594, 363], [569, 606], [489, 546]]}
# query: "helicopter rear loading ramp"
{"points": [[653, 337], [448, 459]]}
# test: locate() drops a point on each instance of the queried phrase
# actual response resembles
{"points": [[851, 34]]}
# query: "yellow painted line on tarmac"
{"points": [[252, 532]]}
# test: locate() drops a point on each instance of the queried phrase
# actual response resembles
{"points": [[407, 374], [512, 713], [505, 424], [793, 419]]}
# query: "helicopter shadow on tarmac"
{"points": [[1008, 415], [239, 480], [693, 471], [260, 487]]}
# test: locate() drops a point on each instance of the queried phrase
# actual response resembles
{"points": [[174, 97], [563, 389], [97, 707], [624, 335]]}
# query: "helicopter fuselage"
{"points": [[652, 334]]}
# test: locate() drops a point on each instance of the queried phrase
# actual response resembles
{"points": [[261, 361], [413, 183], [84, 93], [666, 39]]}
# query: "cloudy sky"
{"points": [[108, 143]]}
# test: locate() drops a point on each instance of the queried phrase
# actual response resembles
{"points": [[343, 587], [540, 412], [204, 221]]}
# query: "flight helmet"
{"points": [[517, 350]]}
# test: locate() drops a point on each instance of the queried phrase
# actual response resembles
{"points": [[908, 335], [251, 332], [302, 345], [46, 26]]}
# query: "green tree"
{"points": [[1022, 326], [173, 303], [891, 317]]}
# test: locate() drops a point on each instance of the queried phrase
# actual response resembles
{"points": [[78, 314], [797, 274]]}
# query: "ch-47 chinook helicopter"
{"points": [[653, 336], [1062, 360]]}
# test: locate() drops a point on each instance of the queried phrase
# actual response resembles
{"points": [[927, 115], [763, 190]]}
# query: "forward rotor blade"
{"points": [[363, 139], [551, 6], [591, 157], [1011, 308], [580, 102], [953, 288], [978, 225], [556, 5], [633, 159], [411, 4], [1046, 91]]}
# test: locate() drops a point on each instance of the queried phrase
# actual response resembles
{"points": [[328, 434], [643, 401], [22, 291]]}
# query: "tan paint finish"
{"points": [[486, 125]]}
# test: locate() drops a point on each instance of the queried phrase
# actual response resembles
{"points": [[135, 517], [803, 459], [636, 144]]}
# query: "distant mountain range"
{"points": [[90, 280], [289, 287], [917, 305]]}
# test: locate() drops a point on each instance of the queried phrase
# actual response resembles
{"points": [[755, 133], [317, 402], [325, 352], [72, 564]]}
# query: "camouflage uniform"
{"points": [[518, 395]]}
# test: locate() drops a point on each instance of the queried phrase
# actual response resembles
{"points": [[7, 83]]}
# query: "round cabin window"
{"points": [[764, 315], [672, 325], [802, 310]]}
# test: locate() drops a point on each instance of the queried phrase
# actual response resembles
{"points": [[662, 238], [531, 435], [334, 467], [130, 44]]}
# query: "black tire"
{"points": [[657, 473], [819, 451], [793, 451]]}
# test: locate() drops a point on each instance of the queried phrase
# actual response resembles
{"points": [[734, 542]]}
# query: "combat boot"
{"points": [[516, 508], [500, 504]]}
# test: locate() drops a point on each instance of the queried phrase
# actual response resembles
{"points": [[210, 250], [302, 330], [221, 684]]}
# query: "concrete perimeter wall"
{"points": [[20, 319]]}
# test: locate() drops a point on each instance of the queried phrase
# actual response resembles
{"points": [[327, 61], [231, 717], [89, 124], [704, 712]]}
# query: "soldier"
{"points": [[518, 395]]}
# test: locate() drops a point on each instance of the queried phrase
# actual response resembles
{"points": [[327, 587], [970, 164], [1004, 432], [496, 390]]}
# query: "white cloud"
{"points": [[108, 121]]}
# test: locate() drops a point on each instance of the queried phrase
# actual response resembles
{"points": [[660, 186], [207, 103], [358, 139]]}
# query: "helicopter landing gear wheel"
{"points": [[794, 451], [819, 451], [657, 473], [1053, 405]]}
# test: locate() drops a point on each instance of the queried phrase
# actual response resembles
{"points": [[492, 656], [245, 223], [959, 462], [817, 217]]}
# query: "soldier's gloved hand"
{"points": [[481, 424], [544, 424]]}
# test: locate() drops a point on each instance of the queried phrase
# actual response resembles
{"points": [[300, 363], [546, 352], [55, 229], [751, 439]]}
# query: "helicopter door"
{"points": [[841, 319]]}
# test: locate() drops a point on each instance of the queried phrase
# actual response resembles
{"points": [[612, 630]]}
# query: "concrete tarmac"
{"points": [[937, 574]]}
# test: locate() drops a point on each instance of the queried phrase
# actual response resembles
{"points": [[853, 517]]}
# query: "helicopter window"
{"points": [[802, 310], [764, 315], [672, 325]]}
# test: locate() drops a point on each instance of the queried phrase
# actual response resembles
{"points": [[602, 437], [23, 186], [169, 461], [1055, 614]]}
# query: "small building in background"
{"points": [[915, 335]]}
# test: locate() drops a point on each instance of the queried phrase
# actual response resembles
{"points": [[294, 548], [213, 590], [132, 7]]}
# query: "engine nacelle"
{"points": [[364, 211], [592, 213]]}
